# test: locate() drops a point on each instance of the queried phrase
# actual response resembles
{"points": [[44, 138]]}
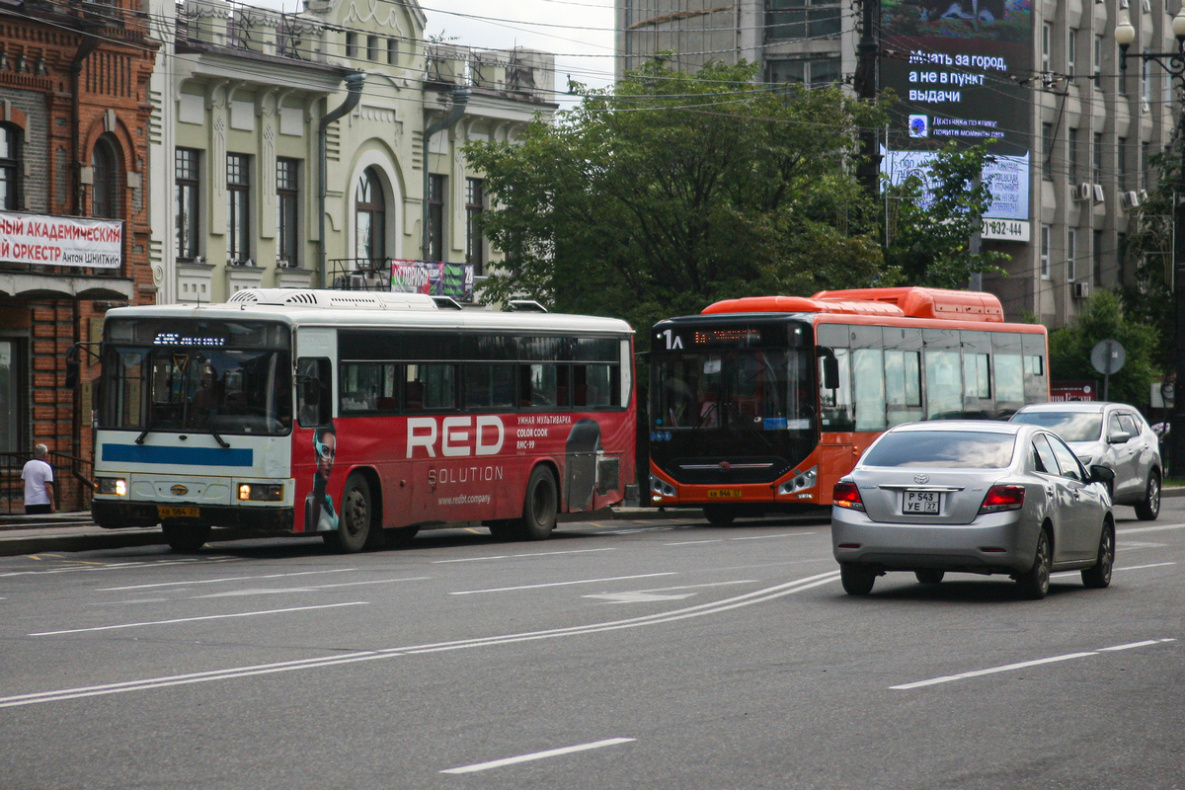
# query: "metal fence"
{"points": [[73, 482]]}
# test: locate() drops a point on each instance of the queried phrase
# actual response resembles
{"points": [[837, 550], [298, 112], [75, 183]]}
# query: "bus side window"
{"points": [[313, 392]]}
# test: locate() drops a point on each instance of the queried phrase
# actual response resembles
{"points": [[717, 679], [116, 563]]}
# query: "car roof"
{"points": [[1076, 405], [976, 426]]}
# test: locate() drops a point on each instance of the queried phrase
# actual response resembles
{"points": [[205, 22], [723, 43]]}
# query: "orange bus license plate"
{"points": [[176, 511], [724, 493]]}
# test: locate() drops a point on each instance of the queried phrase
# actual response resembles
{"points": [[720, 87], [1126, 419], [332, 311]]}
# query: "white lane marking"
{"points": [[118, 566], [638, 596], [779, 535], [195, 619], [1157, 528], [700, 610], [517, 556], [223, 580], [312, 588], [561, 584], [1142, 567], [694, 542], [523, 758], [1022, 665]]}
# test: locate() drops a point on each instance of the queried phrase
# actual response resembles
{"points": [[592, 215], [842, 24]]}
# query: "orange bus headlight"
{"points": [[800, 482]]}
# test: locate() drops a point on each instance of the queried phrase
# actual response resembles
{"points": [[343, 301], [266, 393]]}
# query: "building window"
{"points": [[788, 19], [1071, 255], [238, 208], [1071, 50], [1096, 173], [474, 205], [1120, 258], [392, 51], [1047, 142], [1097, 62], [10, 160], [1121, 162], [287, 211], [1045, 233], [372, 48], [1146, 77], [813, 73], [370, 215], [351, 45], [436, 185], [105, 190], [1046, 46], [1072, 155], [1145, 154], [186, 177], [1097, 257]]}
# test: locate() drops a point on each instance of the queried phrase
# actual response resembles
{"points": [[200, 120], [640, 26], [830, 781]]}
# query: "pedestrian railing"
{"points": [[73, 481]]}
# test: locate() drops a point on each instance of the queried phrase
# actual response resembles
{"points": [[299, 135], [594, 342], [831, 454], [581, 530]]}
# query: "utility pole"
{"points": [[867, 89]]}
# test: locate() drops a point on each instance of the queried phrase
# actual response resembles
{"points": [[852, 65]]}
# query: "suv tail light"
{"points": [[845, 494], [1000, 498]]}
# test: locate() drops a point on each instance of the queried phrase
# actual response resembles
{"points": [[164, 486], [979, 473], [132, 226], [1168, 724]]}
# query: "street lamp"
{"points": [[1174, 65]]}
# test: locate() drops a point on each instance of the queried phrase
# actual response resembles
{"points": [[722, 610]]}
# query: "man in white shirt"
{"points": [[38, 477]]}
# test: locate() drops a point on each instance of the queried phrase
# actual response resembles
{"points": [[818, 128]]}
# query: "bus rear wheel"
{"points": [[540, 506], [357, 513], [185, 538]]}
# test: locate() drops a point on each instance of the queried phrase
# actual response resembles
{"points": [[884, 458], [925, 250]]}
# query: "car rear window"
{"points": [[955, 449], [1071, 426]]}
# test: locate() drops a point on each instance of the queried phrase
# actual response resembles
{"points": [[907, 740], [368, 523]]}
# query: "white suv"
{"points": [[1114, 435]]}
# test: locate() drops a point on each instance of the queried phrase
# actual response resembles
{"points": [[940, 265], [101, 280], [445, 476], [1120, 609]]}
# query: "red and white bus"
{"points": [[358, 416], [761, 404]]}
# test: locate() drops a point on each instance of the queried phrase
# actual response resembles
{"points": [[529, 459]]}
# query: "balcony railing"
{"points": [[73, 484]]}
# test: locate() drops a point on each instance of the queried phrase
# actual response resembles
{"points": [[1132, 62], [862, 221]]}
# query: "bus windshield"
{"points": [[208, 388], [745, 388]]}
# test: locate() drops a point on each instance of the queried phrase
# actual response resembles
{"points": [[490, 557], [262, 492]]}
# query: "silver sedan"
{"points": [[972, 497]]}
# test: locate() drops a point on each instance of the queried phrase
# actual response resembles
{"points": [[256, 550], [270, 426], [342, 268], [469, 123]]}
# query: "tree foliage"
{"points": [[936, 215], [1148, 295], [677, 190], [1104, 318]]}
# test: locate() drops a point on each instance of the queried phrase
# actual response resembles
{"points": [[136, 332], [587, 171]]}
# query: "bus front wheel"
{"points": [[720, 515], [185, 538], [354, 524]]}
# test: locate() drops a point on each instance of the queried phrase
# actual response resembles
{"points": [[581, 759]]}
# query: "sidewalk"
{"points": [[21, 534]]}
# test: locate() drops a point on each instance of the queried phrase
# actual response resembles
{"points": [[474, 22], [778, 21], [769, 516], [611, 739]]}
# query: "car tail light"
{"points": [[1003, 498], [846, 494]]}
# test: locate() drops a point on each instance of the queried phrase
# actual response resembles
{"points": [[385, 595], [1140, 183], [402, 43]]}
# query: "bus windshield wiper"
{"points": [[222, 442], [147, 429]]}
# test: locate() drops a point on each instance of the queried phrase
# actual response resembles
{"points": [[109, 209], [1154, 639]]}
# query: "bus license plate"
{"points": [[724, 493], [176, 511], [925, 502]]}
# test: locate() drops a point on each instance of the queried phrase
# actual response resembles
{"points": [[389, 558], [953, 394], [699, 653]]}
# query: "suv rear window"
{"points": [[1072, 426], [952, 449]]}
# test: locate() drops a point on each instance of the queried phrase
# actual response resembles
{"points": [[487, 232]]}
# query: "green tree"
{"points": [[1147, 293], [936, 215], [675, 190], [1104, 318]]}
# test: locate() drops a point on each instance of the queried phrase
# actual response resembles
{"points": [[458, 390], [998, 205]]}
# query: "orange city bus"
{"points": [[360, 417], [761, 404]]}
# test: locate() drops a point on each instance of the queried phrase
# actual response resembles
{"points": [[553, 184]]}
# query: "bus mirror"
{"points": [[72, 367], [830, 373]]}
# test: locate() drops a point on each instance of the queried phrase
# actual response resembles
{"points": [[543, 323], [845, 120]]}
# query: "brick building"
{"points": [[74, 118]]}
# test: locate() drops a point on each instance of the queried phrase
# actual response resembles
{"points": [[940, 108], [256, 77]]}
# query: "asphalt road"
{"points": [[659, 654]]}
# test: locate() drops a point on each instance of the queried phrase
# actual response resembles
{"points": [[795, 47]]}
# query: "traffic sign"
{"points": [[1108, 356]]}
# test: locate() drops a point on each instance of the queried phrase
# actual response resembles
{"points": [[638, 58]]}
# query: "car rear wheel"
{"points": [[1098, 575], [856, 580], [1034, 583], [929, 576], [1149, 508]]}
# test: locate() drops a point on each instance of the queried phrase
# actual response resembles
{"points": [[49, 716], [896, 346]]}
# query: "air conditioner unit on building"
{"points": [[1123, 3], [1081, 290], [1129, 199], [1099, 195], [1083, 192], [1147, 6]]}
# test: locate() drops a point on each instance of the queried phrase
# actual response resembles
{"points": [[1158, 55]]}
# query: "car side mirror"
{"points": [[1119, 437], [1102, 474]]}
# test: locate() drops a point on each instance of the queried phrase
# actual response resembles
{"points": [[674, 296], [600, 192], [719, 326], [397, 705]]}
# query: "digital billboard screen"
{"points": [[960, 69]]}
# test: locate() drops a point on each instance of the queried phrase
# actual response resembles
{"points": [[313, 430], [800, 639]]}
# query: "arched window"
{"points": [[370, 220], [105, 190], [10, 157]]}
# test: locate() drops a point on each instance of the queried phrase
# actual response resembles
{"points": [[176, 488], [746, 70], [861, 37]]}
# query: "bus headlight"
{"points": [[661, 487], [112, 486], [800, 482], [261, 492]]}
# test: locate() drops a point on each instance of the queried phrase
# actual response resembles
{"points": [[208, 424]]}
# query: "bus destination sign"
{"points": [[178, 339]]}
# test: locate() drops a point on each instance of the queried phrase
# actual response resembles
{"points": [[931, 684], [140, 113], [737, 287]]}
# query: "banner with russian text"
{"points": [[961, 70], [60, 241], [436, 279]]}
